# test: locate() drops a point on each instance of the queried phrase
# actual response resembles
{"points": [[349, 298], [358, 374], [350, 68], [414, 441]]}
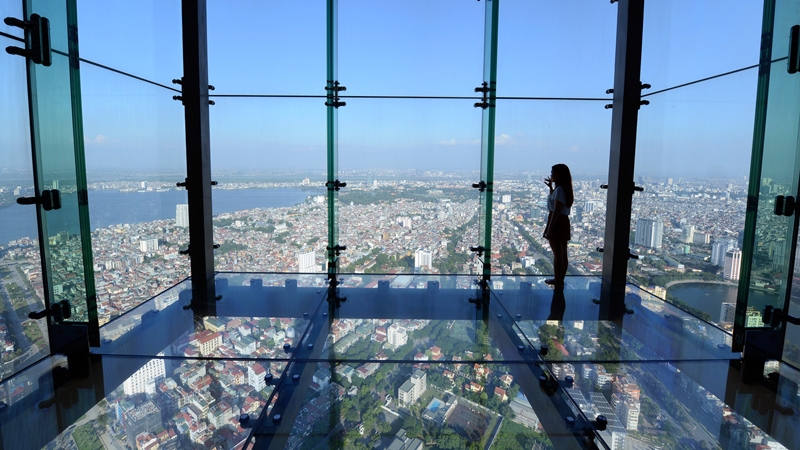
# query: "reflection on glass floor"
{"points": [[403, 362]]}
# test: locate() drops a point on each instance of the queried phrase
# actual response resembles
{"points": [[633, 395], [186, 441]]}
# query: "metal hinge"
{"points": [[50, 200], [39, 29]]}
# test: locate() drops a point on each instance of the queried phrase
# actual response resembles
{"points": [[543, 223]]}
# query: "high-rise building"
{"points": [[182, 215], [423, 259], [145, 418], [396, 335], [412, 389], [701, 238], [727, 312], [148, 245], [307, 262], [255, 376], [720, 248], [506, 198], [753, 318], [649, 232], [687, 234], [143, 379], [733, 264]]}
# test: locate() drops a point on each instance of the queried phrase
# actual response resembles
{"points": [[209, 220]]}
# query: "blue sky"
{"points": [[416, 47]]}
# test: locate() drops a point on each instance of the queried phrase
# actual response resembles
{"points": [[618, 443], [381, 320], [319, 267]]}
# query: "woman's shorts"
{"points": [[563, 229]]}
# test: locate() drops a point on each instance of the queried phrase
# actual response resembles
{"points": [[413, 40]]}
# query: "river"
{"points": [[710, 297], [111, 207]]}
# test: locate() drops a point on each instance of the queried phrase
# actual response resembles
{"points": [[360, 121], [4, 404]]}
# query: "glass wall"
{"points": [[409, 137], [268, 138], [135, 151], [550, 111], [693, 151], [22, 341]]}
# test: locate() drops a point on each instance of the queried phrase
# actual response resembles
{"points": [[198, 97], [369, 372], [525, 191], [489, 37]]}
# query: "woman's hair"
{"points": [[564, 179]]}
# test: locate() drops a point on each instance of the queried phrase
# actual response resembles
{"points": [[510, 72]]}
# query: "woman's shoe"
{"points": [[550, 281]]}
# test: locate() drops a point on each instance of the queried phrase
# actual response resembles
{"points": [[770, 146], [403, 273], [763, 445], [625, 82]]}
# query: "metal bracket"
{"points": [[485, 89], [59, 311], [482, 186], [39, 29], [479, 250], [642, 86], [50, 200], [775, 317], [335, 185], [333, 95], [337, 249], [785, 206]]}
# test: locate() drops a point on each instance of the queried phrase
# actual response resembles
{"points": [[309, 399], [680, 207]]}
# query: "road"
{"points": [[14, 322]]}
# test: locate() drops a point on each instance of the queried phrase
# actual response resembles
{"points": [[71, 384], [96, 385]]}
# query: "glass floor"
{"points": [[404, 362]]}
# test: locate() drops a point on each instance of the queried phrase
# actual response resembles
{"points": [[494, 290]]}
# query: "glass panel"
{"points": [[776, 163], [544, 45], [268, 156], [21, 290], [565, 321], [147, 403], [403, 406], [392, 49], [409, 166], [418, 319], [257, 316], [24, 424], [288, 55], [59, 163], [683, 41], [692, 154], [135, 153], [531, 137], [11, 9], [682, 405], [142, 38]]}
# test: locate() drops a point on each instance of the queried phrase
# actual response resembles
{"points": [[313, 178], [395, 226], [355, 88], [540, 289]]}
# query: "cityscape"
{"points": [[403, 226]]}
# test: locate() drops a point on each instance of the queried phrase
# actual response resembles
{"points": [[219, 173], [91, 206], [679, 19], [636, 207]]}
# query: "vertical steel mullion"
{"points": [[488, 132], [332, 152], [198, 155], [627, 95]]}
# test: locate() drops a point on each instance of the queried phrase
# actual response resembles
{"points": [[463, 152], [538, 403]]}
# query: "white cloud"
{"points": [[573, 149], [100, 140], [450, 142], [504, 139]]}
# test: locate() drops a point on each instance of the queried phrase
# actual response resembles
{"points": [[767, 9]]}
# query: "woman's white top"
{"points": [[560, 195]]}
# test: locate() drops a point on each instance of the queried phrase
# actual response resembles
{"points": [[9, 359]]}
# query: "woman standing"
{"points": [[557, 231]]}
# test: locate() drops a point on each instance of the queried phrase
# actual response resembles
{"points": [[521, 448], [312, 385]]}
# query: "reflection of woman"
{"points": [[557, 231]]}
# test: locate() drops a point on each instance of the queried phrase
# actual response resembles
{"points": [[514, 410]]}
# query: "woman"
{"points": [[557, 231]]}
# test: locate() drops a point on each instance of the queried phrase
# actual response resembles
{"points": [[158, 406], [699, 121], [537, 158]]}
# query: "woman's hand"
{"points": [[549, 183]]}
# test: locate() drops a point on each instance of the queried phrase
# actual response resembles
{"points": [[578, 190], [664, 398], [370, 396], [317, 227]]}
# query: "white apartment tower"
{"points": [[396, 335], [720, 248], [150, 373], [306, 262], [148, 245], [182, 215], [649, 232], [413, 389], [733, 264], [423, 259]]}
